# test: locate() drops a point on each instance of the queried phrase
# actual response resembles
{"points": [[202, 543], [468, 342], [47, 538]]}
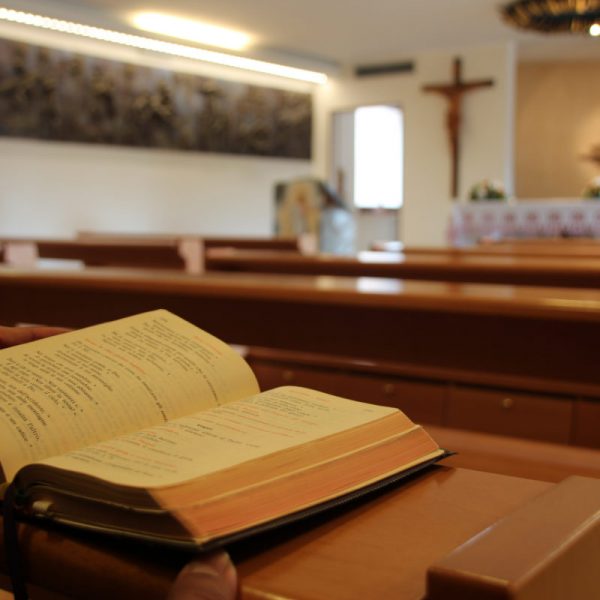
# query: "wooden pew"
{"points": [[179, 254], [394, 544], [442, 399], [273, 244], [561, 249], [259, 577], [498, 359], [569, 247], [582, 273], [189, 254], [158, 254], [140, 251], [515, 456], [242, 243], [543, 241], [432, 403]]}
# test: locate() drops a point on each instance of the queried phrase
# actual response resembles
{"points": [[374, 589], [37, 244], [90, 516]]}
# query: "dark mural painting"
{"points": [[58, 95]]}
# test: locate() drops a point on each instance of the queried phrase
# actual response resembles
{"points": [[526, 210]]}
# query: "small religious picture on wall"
{"points": [[59, 95]]}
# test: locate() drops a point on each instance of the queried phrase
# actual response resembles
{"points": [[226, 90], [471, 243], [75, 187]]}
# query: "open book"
{"points": [[149, 427]]}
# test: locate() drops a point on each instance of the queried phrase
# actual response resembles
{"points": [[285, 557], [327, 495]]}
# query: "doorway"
{"points": [[367, 169]]}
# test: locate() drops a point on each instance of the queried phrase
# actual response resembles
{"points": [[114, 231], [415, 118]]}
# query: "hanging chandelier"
{"points": [[554, 16]]}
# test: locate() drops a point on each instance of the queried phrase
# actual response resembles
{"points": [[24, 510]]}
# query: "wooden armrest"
{"points": [[547, 549]]}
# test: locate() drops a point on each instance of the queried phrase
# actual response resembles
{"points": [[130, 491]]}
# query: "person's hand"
{"points": [[211, 577], [13, 336]]}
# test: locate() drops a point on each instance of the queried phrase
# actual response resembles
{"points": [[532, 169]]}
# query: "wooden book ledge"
{"points": [[547, 549], [539, 541]]}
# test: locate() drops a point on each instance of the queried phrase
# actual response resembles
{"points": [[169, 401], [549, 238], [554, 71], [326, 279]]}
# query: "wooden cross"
{"points": [[454, 93]]}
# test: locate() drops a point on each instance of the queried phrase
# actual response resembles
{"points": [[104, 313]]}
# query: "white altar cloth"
{"points": [[523, 219]]}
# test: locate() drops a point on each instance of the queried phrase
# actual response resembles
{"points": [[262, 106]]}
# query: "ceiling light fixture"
{"points": [[193, 31], [144, 43], [553, 16]]}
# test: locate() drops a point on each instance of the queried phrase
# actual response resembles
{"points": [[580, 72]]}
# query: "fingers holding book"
{"points": [[208, 578]]}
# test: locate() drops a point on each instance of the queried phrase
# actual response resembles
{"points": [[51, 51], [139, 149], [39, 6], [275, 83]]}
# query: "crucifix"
{"points": [[454, 92]]}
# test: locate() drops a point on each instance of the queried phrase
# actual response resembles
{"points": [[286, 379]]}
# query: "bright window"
{"points": [[378, 157]]}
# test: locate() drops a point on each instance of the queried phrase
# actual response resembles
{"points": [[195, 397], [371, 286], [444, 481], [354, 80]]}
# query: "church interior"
{"points": [[395, 202]]}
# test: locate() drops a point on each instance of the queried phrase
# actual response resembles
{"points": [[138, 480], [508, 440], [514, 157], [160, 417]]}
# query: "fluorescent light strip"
{"points": [[191, 31], [144, 43]]}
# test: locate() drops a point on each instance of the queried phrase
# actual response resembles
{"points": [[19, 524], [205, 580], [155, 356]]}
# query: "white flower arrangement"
{"points": [[592, 189], [487, 190]]}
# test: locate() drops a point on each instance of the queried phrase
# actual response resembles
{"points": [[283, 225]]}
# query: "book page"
{"points": [[77, 388], [206, 442]]}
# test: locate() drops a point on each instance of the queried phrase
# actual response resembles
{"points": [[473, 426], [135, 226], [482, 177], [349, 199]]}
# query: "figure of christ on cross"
{"points": [[454, 93]]}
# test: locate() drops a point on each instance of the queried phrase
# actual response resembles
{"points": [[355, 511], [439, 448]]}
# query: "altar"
{"points": [[470, 222]]}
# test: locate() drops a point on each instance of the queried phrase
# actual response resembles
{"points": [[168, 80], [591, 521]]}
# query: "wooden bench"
{"points": [[191, 255], [496, 333], [581, 273], [494, 437], [517, 457], [561, 249], [498, 359], [181, 254], [405, 542], [211, 241], [141, 251], [449, 399], [544, 241]]}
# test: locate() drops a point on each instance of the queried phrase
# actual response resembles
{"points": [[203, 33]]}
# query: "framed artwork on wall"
{"points": [[59, 95]]}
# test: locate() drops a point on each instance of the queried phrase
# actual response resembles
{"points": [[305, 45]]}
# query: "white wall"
{"points": [[53, 189], [486, 137]]}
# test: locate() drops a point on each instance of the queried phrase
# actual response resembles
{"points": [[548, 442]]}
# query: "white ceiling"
{"points": [[340, 32]]}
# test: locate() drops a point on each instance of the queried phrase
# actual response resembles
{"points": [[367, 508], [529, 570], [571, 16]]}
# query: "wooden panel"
{"points": [[378, 547], [270, 376], [252, 243], [457, 332], [586, 424], [510, 413], [375, 551], [145, 253], [546, 550], [558, 248], [509, 269], [422, 401], [507, 455]]}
